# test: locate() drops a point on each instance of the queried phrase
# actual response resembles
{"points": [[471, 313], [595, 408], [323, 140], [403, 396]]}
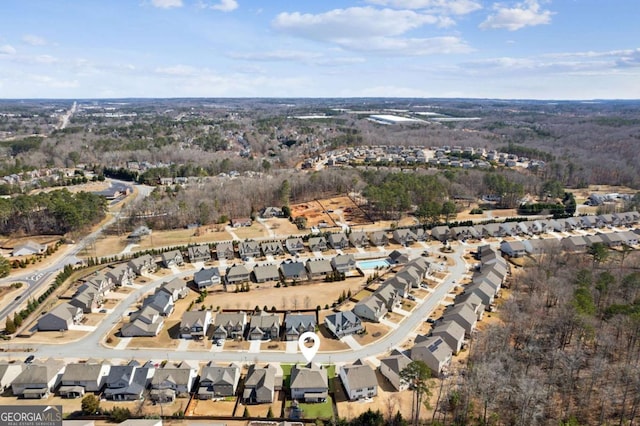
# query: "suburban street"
{"points": [[37, 280], [91, 346]]}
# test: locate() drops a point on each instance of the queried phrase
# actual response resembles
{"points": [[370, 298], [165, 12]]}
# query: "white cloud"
{"points": [[176, 70], [226, 5], [309, 58], [354, 22], [7, 49], [52, 82], [34, 40], [167, 4], [408, 46], [525, 14], [454, 7]]}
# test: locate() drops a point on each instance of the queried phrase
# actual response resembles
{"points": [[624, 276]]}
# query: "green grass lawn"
{"points": [[322, 410]]}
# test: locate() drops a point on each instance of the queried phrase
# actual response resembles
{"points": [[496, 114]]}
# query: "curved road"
{"points": [[91, 345], [37, 279]]}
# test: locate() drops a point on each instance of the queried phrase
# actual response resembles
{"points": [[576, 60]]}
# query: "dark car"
{"points": [[29, 359]]}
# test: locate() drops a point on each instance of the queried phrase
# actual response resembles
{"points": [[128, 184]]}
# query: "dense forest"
{"points": [[54, 212], [566, 351]]}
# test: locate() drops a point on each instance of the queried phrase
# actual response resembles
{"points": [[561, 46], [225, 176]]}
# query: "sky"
{"points": [[511, 49]]}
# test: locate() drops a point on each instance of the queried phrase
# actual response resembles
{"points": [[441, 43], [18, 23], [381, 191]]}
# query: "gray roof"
{"points": [[230, 318], [293, 269], [178, 376], [264, 320], [39, 372], [360, 375], [294, 321], [204, 275], [191, 318], [266, 272], [396, 362], [220, 375], [81, 371], [319, 266], [314, 376], [433, 346]]}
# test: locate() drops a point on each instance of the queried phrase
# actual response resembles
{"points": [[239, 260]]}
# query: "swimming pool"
{"points": [[373, 264]]}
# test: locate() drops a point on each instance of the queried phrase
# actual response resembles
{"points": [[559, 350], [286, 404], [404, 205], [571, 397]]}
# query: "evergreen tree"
{"points": [[10, 326]]}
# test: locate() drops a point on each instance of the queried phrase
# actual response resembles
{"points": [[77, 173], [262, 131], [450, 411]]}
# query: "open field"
{"points": [[115, 244]]}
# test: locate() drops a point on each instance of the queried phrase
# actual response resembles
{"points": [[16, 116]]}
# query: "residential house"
{"points": [[338, 241], [195, 324], [172, 258], [391, 366], [272, 248], [177, 288], [80, 378], [296, 324], [463, 233], [358, 239], [464, 315], [218, 382], [199, 253], [317, 244], [264, 326], [260, 385], [610, 239], [38, 380], [342, 324], [128, 382], [206, 278], [265, 273], [451, 332], [8, 372], [237, 274], [318, 267], [241, 222], [294, 245], [62, 317], [229, 325], [513, 248], [474, 301], [309, 383], [359, 380], [440, 233], [420, 233], [161, 301], [484, 291], [404, 237], [269, 212], [120, 274], [396, 257], [29, 248], [138, 233], [143, 265], [224, 251], [145, 322], [371, 308], [249, 249], [389, 294], [87, 298], [344, 263], [293, 270], [574, 244], [542, 246], [379, 238], [171, 382]]}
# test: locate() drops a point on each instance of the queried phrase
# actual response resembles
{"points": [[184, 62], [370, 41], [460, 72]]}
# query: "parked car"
{"points": [[29, 359]]}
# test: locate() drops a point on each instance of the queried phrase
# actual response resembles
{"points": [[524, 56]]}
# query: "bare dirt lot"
{"points": [[329, 212]]}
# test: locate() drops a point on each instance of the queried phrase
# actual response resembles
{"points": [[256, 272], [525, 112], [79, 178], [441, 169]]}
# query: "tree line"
{"points": [[54, 212]]}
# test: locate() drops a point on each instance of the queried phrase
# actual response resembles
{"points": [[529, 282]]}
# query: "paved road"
{"points": [[35, 280], [91, 347]]}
